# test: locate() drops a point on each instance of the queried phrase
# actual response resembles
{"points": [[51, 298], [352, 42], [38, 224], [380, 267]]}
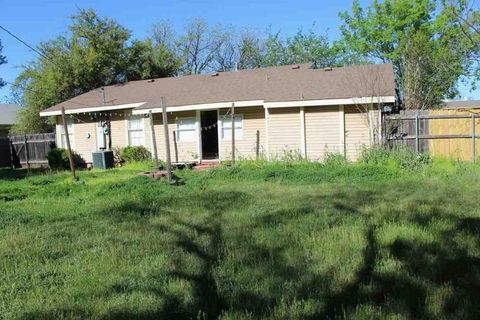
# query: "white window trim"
{"points": [[237, 135], [127, 136], [195, 121]]}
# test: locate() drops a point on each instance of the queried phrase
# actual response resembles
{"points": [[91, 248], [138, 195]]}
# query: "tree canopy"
{"points": [[3, 60], [95, 53], [420, 39]]}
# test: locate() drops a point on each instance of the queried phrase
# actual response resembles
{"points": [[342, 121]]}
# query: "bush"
{"points": [[334, 159], [401, 156], [58, 159], [133, 153]]}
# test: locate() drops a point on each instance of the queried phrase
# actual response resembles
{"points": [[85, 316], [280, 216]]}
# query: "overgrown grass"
{"points": [[296, 240]]}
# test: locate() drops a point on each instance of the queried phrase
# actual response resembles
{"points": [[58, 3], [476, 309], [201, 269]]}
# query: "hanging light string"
{"points": [[212, 126]]}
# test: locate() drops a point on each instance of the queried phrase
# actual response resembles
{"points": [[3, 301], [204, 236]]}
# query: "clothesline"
{"points": [[94, 115]]}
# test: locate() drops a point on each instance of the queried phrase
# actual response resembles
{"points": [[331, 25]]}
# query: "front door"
{"points": [[209, 134]]}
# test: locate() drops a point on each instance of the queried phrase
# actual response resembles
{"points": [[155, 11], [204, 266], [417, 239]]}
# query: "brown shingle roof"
{"points": [[272, 84]]}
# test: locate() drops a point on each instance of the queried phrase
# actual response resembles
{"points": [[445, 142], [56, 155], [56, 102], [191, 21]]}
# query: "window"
{"points": [[63, 138], [186, 129], [227, 127], [135, 131]]}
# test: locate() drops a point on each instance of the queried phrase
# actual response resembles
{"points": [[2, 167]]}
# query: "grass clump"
{"points": [[132, 154], [398, 156], [258, 240]]}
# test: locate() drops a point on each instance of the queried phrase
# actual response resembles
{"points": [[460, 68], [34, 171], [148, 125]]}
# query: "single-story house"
{"points": [[8, 117], [294, 110]]}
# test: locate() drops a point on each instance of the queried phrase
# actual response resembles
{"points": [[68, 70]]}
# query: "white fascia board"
{"points": [[206, 106], [92, 109], [330, 102]]}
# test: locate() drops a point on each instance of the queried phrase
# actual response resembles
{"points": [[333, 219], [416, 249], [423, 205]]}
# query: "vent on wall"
{"points": [[296, 67], [328, 69]]}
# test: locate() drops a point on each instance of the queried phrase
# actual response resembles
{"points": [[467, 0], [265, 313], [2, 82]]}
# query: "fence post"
{"points": [[473, 138], [417, 139], [175, 146], [27, 158], [233, 132], [12, 162], [257, 146], [167, 141], [69, 149], [154, 139]]}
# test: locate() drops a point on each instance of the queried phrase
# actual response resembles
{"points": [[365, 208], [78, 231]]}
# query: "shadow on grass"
{"points": [[405, 292], [18, 174]]}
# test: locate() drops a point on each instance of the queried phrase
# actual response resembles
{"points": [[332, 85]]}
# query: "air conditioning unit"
{"points": [[103, 159]]}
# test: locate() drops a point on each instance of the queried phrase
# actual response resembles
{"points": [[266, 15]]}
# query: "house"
{"points": [[279, 111], [8, 117]]}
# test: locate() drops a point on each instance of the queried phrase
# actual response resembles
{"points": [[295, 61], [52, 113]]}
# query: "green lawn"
{"points": [[279, 241]]}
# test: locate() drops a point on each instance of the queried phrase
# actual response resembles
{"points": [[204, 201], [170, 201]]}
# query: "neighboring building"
{"points": [[8, 117], [279, 111], [462, 105]]}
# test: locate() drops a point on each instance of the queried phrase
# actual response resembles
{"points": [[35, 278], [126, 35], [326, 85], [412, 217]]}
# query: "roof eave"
{"points": [[47, 113]]}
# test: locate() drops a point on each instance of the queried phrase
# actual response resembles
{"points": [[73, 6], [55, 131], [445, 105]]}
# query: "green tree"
{"points": [[94, 54], [310, 47], [3, 60], [251, 51], [465, 14], [146, 60], [302, 47], [418, 38]]}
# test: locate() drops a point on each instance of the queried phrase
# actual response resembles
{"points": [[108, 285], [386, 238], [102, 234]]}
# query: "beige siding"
{"points": [[284, 132], [246, 146], [118, 129], [186, 151], [356, 132], [84, 133], [322, 131]]}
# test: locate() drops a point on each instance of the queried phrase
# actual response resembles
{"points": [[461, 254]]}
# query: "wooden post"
{"points": [[12, 150], [175, 146], [257, 146], [417, 139], [154, 140], [69, 149], [233, 132], [27, 157], [473, 139], [167, 140]]}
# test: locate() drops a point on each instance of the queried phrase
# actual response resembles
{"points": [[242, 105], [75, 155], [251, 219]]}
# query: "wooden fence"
{"points": [[437, 133], [27, 150]]}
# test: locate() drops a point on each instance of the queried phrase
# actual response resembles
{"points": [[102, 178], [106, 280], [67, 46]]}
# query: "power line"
{"points": [[24, 43], [37, 92]]}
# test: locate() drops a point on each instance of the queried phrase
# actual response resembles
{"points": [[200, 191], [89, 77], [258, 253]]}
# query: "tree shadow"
{"points": [[404, 292], [19, 174]]}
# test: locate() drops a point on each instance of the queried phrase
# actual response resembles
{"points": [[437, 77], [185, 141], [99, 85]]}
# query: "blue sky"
{"points": [[36, 21]]}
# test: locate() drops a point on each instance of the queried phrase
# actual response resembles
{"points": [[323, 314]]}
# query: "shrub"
{"points": [[134, 153], [402, 156], [58, 159], [334, 159]]}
